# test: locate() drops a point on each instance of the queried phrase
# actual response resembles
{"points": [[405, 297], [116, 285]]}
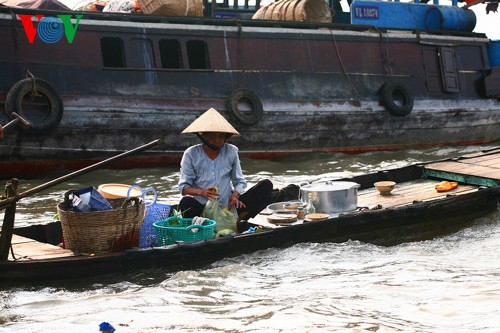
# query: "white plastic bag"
{"points": [[225, 218]]}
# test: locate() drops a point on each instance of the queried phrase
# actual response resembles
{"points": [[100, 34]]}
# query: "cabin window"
{"points": [[113, 54], [197, 51], [170, 53]]}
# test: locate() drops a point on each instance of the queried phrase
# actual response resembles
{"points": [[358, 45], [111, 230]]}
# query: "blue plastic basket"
{"points": [[154, 212], [176, 229]]}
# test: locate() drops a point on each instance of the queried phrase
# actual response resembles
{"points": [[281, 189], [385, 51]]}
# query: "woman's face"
{"points": [[216, 138]]}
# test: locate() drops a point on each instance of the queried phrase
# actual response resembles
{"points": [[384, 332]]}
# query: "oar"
{"points": [[78, 173]]}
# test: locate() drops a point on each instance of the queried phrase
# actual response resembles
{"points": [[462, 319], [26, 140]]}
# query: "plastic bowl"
{"points": [[385, 187], [117, 191]]}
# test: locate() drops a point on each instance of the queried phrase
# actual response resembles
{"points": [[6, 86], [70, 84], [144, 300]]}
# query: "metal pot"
{"points": [[331, 196]]}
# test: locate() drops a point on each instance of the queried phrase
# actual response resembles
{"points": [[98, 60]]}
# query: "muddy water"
{"points": [[448, 284]]}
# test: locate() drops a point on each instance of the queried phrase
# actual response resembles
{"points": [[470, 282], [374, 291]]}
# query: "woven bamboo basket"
{"points": [[316, 11], [103, 231], [172, 7]]}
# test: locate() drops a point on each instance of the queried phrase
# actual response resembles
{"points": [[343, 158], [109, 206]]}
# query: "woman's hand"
{"points": [[209, 193], [233, 200]]}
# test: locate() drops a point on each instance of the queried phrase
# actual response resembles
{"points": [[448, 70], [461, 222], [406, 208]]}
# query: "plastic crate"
{"points": [[176, 229]]}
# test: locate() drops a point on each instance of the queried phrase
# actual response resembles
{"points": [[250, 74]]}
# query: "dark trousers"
{"points": [[255, 199]]}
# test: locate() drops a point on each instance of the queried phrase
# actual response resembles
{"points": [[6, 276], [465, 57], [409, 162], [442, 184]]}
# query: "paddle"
{"points": [[77, 173]]}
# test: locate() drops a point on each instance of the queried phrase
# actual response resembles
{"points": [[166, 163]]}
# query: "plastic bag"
{"points": [[89, 199], [225, 218], [121, 6]]}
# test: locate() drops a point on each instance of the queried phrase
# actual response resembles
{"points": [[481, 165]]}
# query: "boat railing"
{"points": [[231, 9]]}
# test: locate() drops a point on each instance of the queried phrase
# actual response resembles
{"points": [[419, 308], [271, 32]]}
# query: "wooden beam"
{"points": [[8, 221]]}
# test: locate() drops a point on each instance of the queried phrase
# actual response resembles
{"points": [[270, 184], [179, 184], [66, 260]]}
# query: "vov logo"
{"points": [[50, 29]]}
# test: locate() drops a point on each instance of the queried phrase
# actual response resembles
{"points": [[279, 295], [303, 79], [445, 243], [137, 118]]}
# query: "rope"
{"points": [[13, 256], [29, 75], [13, 30], [343, 67], [384, 46]]}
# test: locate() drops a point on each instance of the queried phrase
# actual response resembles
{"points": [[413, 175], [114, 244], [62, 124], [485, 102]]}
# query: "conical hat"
{"points": [[211, 121]]}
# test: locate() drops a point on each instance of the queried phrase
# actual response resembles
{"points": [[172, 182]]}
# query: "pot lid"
{"points": [[330, 186]]}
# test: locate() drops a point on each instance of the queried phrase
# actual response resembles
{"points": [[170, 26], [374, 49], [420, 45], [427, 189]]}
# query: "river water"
{"points": [[448, 284]]}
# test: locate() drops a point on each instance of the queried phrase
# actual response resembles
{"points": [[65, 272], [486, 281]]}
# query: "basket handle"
{"points": [[203, 226], [149, 189], [196, 226], [67, 201], [132, 187], [128, 200]]}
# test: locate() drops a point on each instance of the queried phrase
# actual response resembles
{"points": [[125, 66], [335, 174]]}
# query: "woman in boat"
{"points": [[212, 170]]}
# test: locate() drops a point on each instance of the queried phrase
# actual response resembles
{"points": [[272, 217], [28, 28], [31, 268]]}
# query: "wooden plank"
{"points": [[483, 153], [479, 169], [481, 165], [26, 248], [487, 160], [404, 194], [491, 162], [466, 169]]}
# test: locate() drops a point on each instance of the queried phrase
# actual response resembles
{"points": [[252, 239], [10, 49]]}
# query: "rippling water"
{"points": [[449, 284]]}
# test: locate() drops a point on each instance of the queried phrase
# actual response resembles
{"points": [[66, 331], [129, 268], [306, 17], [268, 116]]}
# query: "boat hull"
{"points": [[386, 227]]}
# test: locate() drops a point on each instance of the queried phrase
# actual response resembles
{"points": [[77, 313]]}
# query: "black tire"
{"points": [[396, 99], [38, 102], [246, 117]]}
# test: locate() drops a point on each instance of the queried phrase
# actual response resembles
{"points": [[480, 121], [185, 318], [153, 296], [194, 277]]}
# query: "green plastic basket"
{"points": [[176, 229]]}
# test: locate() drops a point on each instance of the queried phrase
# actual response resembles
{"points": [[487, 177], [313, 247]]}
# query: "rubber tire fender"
{"points": [[246, 118], [396, 99], [23, 89]]}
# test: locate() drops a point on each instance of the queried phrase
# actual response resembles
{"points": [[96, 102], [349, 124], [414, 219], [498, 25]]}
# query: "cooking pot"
{"points": [[332, 196]]}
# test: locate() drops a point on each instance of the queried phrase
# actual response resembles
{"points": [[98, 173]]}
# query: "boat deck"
{"points": [[27, 248], [405, 193], [408, 193], [480, 169]]}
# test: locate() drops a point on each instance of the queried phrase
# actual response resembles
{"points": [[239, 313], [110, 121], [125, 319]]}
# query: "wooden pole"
{"points": [[8, 221], [75, 174]]}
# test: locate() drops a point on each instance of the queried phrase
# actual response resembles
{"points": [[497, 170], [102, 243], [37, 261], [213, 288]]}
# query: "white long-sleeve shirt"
{"points": [[199, 171]]}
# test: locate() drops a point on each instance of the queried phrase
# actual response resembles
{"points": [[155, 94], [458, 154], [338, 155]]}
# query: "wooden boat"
{"points": [[369, 80], [414, 210]]}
